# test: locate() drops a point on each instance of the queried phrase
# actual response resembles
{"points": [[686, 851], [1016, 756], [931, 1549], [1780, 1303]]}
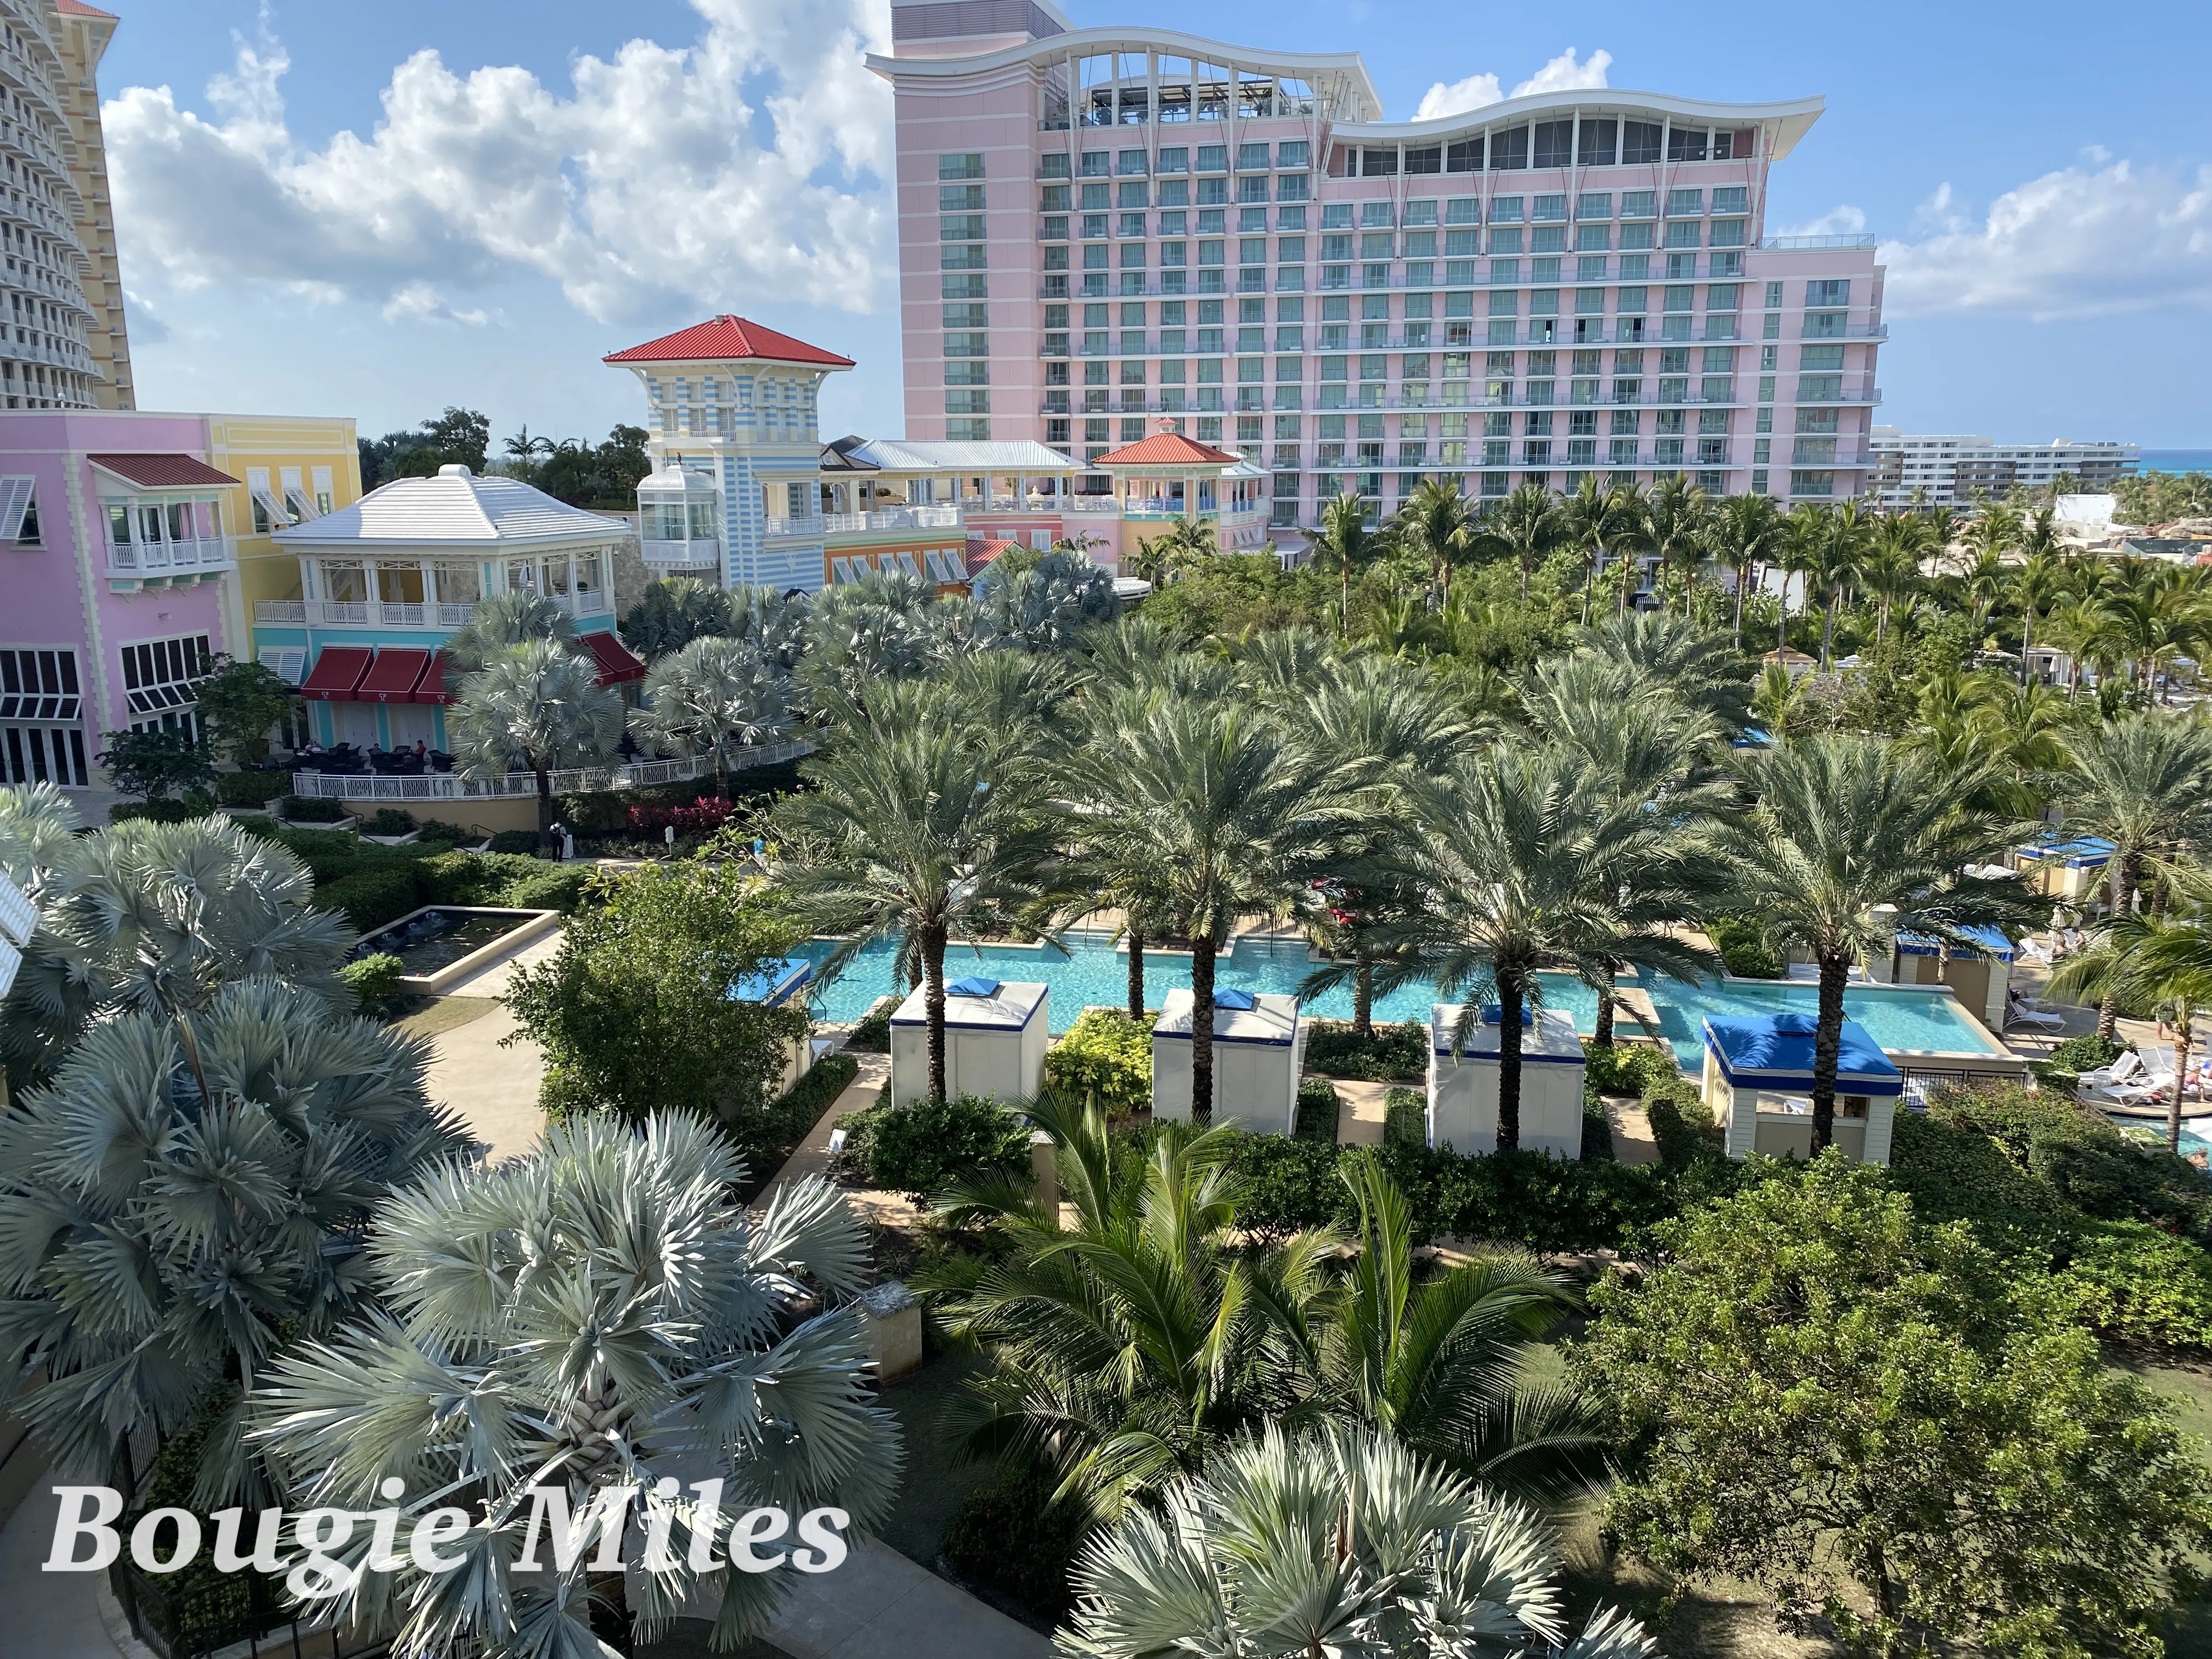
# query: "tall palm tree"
{"points": [[1524, 526], [1511, 850], [1890, 570], [1126, 1348], [1158, 558], [673, 612], [1698, 665], [717, 698], [1293, 1547], [1345, 542], [2149, 962], [2144, 783], [916, 829], [1804, 541], [1746, 532], [1237, 809], [1436, 525], [501, 621], [1678, 513], [535, 708], [1840, 561], [600, 1318], [188, 1195], [1846, 841], [1598, 520]]}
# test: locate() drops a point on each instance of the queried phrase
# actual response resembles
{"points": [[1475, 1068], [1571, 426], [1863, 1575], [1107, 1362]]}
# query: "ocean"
{"points": [[2177, 460]]}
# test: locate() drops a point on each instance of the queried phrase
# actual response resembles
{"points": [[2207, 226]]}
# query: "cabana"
{"points": [[1758, 1082], [1979, 981], [995, 1034], [2069, 869], [781, 983], [1463, 1082], [1259, 1050]]}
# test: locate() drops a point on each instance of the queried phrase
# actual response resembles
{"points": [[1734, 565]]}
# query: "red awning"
{"points": [[432, 686], [336, 674], [398, 670], [615, 661]]}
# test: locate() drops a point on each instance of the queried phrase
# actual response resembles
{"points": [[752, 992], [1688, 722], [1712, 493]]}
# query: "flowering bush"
{"points": [[701, 818]]}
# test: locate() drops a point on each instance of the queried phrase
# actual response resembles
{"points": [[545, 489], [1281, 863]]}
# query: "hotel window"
{"points": [[1829, 291], [19, 512], [966, 165], [1463, 157], [161, 680], [1685, 144]]}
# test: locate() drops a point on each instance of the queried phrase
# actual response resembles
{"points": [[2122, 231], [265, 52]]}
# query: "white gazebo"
{"points": [[1463, 1082], [1758, 1083], [995, 1035], [1259, 1050]]}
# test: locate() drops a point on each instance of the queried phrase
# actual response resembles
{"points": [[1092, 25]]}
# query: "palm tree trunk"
{"points": [[721, 773], [1362, 997], [1524, 578], [1827, 629], [1509, 992], [1136, 972], [1589, 582], [544, 809], [2026, 639], [1603, 1031], [2181, 1035], [1828, 1045], [610, 1615], [1782, 619], [933, 970], [2126, 872], [1201, 1029], [1343, 597], [1742, 582]]}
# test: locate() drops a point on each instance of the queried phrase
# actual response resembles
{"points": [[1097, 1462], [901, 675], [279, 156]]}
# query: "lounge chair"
{"points": [[2025, 1013], [2144, 1083]]}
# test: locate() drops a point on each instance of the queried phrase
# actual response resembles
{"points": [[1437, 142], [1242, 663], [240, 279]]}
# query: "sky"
{"points": [[382, 209]]}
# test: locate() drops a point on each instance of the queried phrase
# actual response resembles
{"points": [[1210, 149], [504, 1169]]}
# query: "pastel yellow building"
{"points": [[290, 469]]}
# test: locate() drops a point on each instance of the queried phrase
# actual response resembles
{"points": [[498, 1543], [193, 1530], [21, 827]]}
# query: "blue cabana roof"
{"points": [[1776, 1052], [779, 979], [1992, 941], [2083, 853]]}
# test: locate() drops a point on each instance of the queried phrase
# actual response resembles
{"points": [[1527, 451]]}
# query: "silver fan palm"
{"points": [[599, 1314]]}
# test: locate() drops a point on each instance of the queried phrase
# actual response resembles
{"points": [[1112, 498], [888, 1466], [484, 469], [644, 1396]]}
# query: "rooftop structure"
{"points": [[1949, 469], [1099, 226]]}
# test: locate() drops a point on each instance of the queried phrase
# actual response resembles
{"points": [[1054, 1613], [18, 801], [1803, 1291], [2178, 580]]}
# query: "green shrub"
{"points": [[871, 1035], [251, 788], [551, 887], [152, 811], [1627, 1068], [488, 879], [388, 821], [773, 1134], [603, 813], [1394, 1051], [1106, 1058], [373, 978], [1682, 1126], [1012, 1538], [1318, 1110], [1744, 948], [515, 840], [372, 895], [922, 1149], [2140, 1285], [313, 809], [439, 830], [1597, 1130], [1406, 1118]]}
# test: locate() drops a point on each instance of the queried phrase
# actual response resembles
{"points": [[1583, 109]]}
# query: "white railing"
{"points": [[802, 525], [883, 518], [138, 558], [280, 611], [1090, 504], [448, 785], [685, 555]]}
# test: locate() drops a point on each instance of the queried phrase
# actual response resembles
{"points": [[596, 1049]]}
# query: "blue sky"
{"points": [[315, 217]]}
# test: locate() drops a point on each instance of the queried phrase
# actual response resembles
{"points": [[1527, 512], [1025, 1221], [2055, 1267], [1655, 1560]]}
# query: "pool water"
{"points": [[1898, 1019], [441, 938], [1093, 970]]}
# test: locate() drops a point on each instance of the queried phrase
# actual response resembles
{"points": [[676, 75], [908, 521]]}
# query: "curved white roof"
{"points": [[953, 455], [1790, 117], [456, 507]]}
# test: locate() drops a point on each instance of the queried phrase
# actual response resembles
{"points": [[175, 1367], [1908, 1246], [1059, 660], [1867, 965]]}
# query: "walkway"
{"points": [[51, 1615], [880, 1603]]}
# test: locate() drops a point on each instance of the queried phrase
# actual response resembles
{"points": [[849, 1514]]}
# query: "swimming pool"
{"points": [[1900, 1019], [1094, 971]]}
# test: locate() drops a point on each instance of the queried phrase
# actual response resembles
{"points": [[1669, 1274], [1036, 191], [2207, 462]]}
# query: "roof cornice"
{"points": [[1792, 116]]}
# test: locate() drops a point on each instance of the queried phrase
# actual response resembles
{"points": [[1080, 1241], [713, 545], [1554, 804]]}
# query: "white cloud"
{"points": [[2094, 240], [421, 302], [746, 165], [1563, 73], [1842, 220]]}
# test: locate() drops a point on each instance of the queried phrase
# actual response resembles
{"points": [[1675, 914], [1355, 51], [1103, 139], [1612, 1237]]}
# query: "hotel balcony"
{"points": [[141, 562], [703, 554], [441, 616], [833, 526]]}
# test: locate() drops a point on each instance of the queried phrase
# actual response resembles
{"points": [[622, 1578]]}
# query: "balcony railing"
{"points": [[801, 525], [440, 615], [890, 518], [681, 555], [448, 785], [1801, 244], [164, 558]]}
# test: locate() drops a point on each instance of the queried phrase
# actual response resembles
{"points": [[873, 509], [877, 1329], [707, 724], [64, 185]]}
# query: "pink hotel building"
{"points": [[1102, 230]]}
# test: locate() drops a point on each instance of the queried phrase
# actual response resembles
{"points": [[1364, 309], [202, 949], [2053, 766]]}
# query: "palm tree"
{"points": [[1678, 513], [1236, 812], [1848, 840], [1436, 524], [672, 613], [524, 447], [1596, 519], [1157, 557], [157, 917], [1841, 552], [915, 831], [187, 1196], [1698, 665], [1523, 527], [1804, 538], [504, 620], [600, 1317], [1345, 542], [1126, 1348], [2149, 963], [536, 707], [715, 697], [1293, 1548], [1746, 532], [1890, 572], [1511, 850], [1437, 1363], [2144, 783]]}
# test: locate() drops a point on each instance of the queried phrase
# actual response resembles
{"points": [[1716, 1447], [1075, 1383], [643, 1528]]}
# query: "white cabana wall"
{"points": [[1259, 1050], [1463, 1083], [995, 1035]]}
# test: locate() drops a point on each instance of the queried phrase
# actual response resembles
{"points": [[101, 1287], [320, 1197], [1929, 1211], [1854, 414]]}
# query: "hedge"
{"points": [[152, 811], [373, 895], [251, 788], [312, 809], [922, 1148], [1319, 1110], [1394, 1052], [1106, 1058], [872, 1033], [1011, 1537], [1406, 1118]]}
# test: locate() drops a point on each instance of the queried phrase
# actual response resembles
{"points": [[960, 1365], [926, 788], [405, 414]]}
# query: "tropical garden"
{"points": [[1228, 1393]]}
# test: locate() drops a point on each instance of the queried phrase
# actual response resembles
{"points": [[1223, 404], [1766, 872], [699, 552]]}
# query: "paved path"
{"points": [[1359, 1112], [493, 1090], [1633, 1139], [880, 1604], [50, 1615]]}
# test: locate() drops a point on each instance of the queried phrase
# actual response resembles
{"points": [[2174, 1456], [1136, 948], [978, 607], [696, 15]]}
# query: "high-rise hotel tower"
{"points": [[1102, 229]]}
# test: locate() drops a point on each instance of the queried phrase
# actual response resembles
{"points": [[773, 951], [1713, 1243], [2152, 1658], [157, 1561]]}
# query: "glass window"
{"points": [[966, 165], [1639, 141], [1554, 143], [1684, 201], [1599, 139], [1508, 151], [1686, 144], [1463, 157]]}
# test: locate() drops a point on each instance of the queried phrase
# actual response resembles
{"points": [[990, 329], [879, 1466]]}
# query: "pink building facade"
{"points": [[1102, 228], [116, 558]]}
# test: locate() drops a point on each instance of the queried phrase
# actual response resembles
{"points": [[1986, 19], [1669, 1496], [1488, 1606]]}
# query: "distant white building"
{"points": [[1950, 467]]}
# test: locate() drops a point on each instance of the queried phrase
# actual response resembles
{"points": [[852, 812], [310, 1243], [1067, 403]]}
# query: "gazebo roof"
{"points": [[727, 339], [1168, 449], [1775, 1051]]}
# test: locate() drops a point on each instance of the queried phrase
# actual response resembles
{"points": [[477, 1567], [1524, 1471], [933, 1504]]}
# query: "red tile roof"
{"points": [[982, 552], [720, 339], [78, 9], [1168, 449], [162, 472]]}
